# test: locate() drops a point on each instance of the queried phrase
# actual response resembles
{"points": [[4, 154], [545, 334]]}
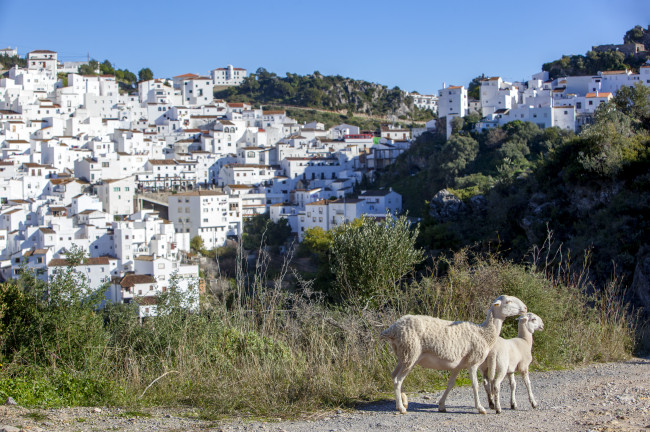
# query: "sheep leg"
{"points": [[496, 390], [533, 402], [473, 377], [398, 379], [405, 400], [450, 385], [486, 385], [513, 387]]}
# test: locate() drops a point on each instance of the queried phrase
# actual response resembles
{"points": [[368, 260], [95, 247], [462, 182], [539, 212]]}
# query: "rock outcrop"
{"points": [[446, 206]]}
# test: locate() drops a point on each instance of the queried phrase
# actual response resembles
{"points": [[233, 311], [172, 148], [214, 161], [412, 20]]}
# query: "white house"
{"points": [[452, 100], [497, 94], [210, 214], [95, 272], [116, 195], [9, 52], [426, 102], [43, 60], [228, 76]]}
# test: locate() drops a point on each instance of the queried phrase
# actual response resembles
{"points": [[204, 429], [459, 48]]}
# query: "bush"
{"points": [[369, 258]]}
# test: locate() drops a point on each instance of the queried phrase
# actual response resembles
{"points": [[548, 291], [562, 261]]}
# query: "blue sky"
{"points": [[416, 45]]}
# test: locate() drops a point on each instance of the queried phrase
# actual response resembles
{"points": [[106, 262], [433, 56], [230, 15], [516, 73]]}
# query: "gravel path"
{"points": [[601, 397]]}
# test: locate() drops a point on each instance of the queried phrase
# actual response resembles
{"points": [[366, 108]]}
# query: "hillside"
{"points": [[333, 93], [633, 53], [510, 187]]}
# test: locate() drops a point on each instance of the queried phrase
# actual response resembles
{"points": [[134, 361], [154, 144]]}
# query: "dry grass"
{"points": [[273, 353]]}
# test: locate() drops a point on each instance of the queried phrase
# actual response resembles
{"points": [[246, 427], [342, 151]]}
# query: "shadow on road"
{"points": [[388, 406]]}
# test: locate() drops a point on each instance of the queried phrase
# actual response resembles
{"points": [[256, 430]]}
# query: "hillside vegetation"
{"points": [[329, 92], [518, 187], [604, 58], [7, 62]]}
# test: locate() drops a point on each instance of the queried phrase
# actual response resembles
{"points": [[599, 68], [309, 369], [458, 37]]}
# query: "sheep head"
{"points": [[532, 322], [505, 306]]}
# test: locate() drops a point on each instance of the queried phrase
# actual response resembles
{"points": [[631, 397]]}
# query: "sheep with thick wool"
{"points": [[439, 344], [509, 356]]}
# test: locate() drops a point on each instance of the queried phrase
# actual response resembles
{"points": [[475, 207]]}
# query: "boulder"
{"points": [[478, 204], [446, 206]]}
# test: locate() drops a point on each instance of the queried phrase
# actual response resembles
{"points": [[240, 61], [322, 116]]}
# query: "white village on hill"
{"points": [[130, 179]]}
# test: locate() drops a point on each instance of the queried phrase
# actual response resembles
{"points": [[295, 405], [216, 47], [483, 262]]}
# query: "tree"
{"points": [[90, 68], [470, 121], [260, 231], [317, 241], [455, 155], [368, 258], [106, 68], [474, 87], [515, 150], [457, 124], [634, 35], [609, 143], [129, 76], [197, 244], [145, 74], [494, 137], [635, 102]]}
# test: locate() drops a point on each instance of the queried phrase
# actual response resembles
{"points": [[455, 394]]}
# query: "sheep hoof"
{"points": [[402, 411], [405, 401], [498, 411], [481, 410], [513, 406], [442, 409], [534, 404]]}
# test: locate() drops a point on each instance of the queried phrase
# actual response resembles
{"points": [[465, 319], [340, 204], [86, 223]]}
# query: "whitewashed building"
{"points": [[228, 76], [210, 214], [116, 195]]}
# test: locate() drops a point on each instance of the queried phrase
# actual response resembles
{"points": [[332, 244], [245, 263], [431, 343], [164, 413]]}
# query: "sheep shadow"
{"points": [[388, 406]]}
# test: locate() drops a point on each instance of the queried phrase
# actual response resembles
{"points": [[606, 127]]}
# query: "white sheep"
{"points": [[508, 356], [435, 343]]}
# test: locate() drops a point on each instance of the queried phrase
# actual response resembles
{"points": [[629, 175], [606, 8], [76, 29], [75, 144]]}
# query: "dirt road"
{"points": [[601, 397]]}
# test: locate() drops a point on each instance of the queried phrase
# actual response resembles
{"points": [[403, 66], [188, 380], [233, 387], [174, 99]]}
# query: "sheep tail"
{"points": [[389, 333]]}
